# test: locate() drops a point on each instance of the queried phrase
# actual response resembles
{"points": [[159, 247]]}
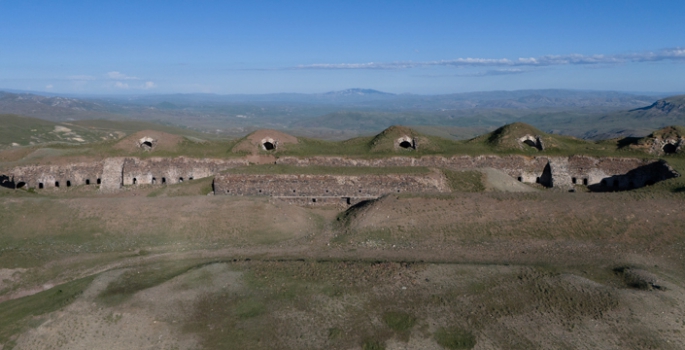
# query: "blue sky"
{"points": [[425, 47]]}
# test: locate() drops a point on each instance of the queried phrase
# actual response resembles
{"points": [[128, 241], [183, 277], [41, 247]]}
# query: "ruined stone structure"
{"points": [[667, 146], [405, 142], [112, 173], [327, 188], [598, 174], [532, 141]]}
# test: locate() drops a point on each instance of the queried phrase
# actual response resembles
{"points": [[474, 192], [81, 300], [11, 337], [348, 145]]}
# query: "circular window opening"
{"points": [[269, 146], [669, 148]]}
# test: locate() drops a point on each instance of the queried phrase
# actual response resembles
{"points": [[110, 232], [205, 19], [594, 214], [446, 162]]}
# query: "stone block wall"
{"points": [[45, 176], [315, 186]]}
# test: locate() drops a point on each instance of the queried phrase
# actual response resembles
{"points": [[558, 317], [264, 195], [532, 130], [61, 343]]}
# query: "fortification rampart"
{"points": [[558, 172], [327, 186], [112, 173]]}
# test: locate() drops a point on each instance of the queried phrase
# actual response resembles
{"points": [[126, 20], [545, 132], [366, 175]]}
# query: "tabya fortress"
{"points": [[556, 172]]}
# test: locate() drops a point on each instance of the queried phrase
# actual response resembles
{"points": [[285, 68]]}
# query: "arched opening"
{"points": [[40, 185], [190, 178], [135, 181], [147, 144], [537, 180], [180, 179], [530, 143], [585, 182], [56, 183], [573, 180], [21, 184], [164, 181], [269, 146], [68, 183], [87, 181], [99, 181], [154, 180], [520, 178], [406, 144], [669, 148]]}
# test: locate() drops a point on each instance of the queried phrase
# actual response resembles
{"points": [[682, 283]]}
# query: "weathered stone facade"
{"points": [[112, 173], [558, 172], [327, 186]]}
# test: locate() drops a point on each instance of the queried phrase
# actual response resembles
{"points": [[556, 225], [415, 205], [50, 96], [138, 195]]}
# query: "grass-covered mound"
{"points": [[264, 141], [389, 140], [526, 138]]}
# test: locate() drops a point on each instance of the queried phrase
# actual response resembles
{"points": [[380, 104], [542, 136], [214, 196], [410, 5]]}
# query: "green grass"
{"points": [[454, 339], [144, 277], [465, 181], [17, 315]]}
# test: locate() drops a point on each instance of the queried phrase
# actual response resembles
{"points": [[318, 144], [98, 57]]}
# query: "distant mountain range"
{"points": [[589, 114]]}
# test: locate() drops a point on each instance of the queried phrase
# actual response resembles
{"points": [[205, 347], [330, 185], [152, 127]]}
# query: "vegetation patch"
{"points": [[465, 181], [455, 338], [19, 314]]}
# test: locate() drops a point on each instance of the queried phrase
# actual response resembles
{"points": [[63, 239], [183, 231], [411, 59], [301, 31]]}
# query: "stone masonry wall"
{"points": [[339, 186]]}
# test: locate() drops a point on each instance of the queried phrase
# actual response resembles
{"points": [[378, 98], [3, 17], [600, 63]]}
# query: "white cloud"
{"points": [[120, 85], [673, 54], [119, 76], [149, 85], [49, 86]]}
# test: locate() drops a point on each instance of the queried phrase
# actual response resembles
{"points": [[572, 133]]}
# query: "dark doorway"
{"points": [[87, 181], [180, 179], [190, 178], [406, 144], [520, 179], [269, 146], [40, 185], [99, 181], [21, 184], [669, 148], [585, 182], [56, 183], [163, 180], [147, 144], [154, 180], [574, 180], [348, 200], [135, 181], [68, 183], [313, 200], [546, 176]]}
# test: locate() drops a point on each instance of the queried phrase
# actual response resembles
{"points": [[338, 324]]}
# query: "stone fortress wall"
{"points": [[112, 173], [598, 174], [349, 188]]}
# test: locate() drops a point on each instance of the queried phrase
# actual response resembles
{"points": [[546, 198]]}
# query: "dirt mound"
{"points": [[264, 140], [400, 139], [496, 180], [148, 140]]}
